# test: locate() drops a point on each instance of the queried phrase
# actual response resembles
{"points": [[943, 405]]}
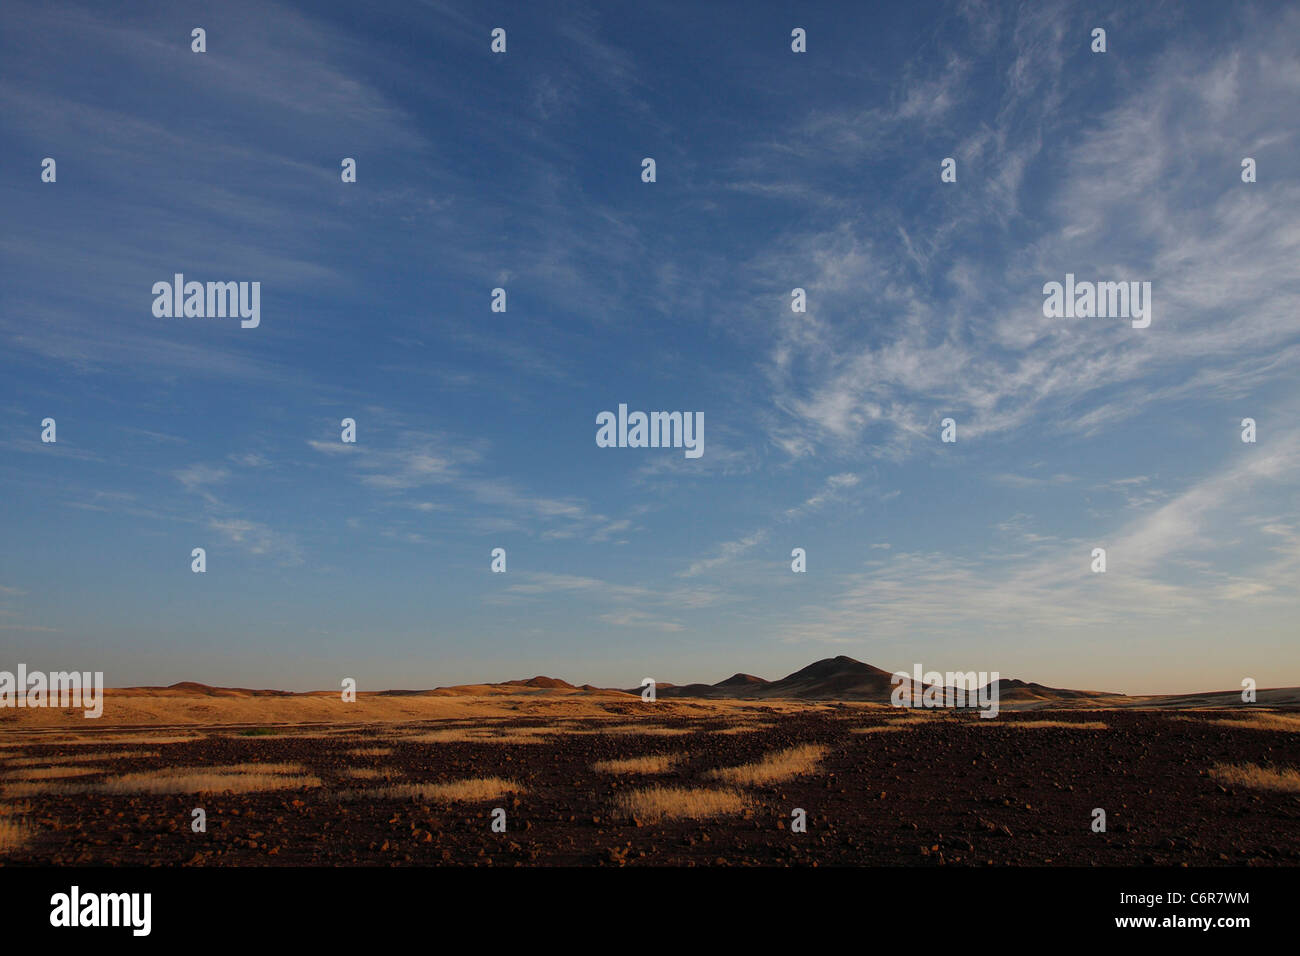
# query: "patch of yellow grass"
{"points": [[881, 728], [42, 787], [1042, 724], [473, 790], [652, 763], [256, 767], [743, 729], [371, 752], [481, 735], [42, 740], [653, 804], [288, 734], [118, 741], [78, 758], [1258, 778], [904, 714], [651, 730], [1284, 722], [780, 765], [52, 773], [235, 778]]}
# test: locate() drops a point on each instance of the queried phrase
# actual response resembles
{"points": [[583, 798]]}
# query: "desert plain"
{"points": [[543, 773]]}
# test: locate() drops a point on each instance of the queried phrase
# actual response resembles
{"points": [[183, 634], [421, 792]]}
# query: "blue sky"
{"points": [[476, 429]]}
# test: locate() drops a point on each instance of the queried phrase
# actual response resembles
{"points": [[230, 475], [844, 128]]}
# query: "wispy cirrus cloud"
{"points": [[1156, 570], [258, 539], [987, 355], [834, 487]]}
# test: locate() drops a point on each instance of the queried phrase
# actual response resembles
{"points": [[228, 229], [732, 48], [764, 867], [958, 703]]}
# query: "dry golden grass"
{"points": [[235, 778], [52, 773], [167, 712], [79, 758], [1284, 722], [40, 740], [650, 730], [481, 735], [371, 752], [14, 835], [882, 728], [289, 733], [743, 729], [308, 712], [39, 788], [1258, 778], [1042, 724], [897, 715], [473, 790], [255, 767], [774, 767], [652, 763], [118, 740], [653, 804], [665, 731]]}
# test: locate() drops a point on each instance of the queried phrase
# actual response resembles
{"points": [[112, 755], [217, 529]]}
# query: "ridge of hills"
{"points": [[832, 678]]}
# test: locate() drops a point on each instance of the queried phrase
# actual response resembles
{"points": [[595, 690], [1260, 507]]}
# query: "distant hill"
{"points": [[830, 679], [189, 688], [844, 678], [741, 680], [1017, 690], [550, 683]]}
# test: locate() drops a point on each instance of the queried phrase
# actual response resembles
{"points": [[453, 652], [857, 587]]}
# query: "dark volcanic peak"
{"points": [[742, 680], [1011, 689], [828, 664], [833, 668], [834, 677], [845, 678], [552, 683], [829, 678]]}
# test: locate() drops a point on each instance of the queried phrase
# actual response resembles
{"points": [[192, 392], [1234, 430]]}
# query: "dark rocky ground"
{"points": [[954, 790]]}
